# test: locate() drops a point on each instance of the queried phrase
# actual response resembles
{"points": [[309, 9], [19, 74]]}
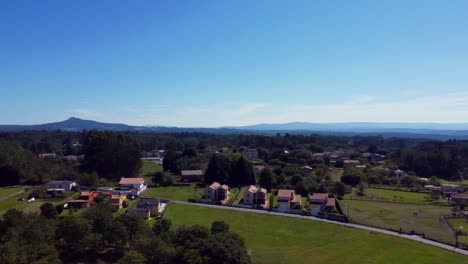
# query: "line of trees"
{"points": [[97, 236], [234, 169]]}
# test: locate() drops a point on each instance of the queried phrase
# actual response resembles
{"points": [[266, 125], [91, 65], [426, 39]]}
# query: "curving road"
{"points": [[371, 229]]}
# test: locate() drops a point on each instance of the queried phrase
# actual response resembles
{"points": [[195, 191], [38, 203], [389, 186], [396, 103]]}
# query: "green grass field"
{"points": [[336, 174], [419, 218], [390, 195], [148, 168], [464, 182], [459, 224], [276, 239], [176, 193], [5, 191]]}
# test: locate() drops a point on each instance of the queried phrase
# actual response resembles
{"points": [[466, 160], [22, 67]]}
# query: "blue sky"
{"points": [[216, 63]]}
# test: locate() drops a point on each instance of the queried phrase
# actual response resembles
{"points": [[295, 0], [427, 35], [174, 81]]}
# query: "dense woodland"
{"points": [[111, 155], [96, 236]]}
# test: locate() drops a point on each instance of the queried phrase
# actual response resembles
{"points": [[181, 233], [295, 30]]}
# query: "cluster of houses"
{"points": [[455, 193]]}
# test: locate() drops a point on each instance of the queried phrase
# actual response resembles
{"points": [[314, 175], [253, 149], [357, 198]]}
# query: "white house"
{"points": [[132, 183]]}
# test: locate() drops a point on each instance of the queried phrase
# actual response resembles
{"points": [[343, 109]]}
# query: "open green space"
{"points": [[277, 239], [419, 218], [464, 182], [5, 191], [240, 197], [32, 207], [336, 174], [390, 196], [176, 193], [459, 224], [147, 169]]}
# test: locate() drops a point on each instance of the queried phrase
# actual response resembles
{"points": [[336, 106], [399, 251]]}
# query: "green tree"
{"points": [[161, 226], [162, 178], [242, 172], [132, 257], [267, 180], [48, 210], [219, 227], [219, 169], [339, 189], [112, 155]]}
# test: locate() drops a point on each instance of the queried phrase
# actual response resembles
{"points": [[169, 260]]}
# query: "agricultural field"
{"points": [[277, 239], [176, 193], [419, 218], [390, 196]]}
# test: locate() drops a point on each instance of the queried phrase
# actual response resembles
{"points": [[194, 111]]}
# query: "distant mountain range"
{"points": [[423, 130]]}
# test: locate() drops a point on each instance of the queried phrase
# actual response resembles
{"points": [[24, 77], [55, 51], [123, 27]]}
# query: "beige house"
{"points": [[117, 201], [255, 196], [217, 193], [142, 212], [321, 202], [287, 199], [152, 204]]}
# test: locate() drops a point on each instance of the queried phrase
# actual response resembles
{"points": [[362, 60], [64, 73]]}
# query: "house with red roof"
{"points": [[321, 202], [255, 196], [132, 183], [288, 199], [217, 193], [83, 201]]}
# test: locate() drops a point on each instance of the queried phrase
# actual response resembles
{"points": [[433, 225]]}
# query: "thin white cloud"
{"points": [[248, 108], [442, 108]]}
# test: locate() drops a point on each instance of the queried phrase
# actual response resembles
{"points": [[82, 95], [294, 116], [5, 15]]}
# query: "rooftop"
{"points": [[318, 196], [285, 193], [131, 181], [191, 172]]}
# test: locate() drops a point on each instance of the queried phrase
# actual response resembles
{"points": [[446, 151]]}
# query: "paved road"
{"points": [[371, 229], [11, 195]]}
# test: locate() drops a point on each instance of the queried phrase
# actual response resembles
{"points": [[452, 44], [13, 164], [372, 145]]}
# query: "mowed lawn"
{"points": [[390, 195], [176, 193], [276, 239], [5, 191], [418, 218]]}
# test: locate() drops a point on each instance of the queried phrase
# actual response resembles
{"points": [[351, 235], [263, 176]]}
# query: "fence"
{"points": [[396, 201]]}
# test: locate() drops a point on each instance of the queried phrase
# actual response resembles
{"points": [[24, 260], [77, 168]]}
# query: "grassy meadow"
{"points": [[390, 196], [409, 217], [276, 239], [176, 193]]}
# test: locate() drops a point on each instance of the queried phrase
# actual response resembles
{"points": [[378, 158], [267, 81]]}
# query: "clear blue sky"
{"points": [[214, 63]]}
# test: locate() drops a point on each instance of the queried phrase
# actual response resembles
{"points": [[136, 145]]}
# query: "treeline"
{"points": [[112, 155], [107, 155], [232, 169], [446, 160], [96, 236]]}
